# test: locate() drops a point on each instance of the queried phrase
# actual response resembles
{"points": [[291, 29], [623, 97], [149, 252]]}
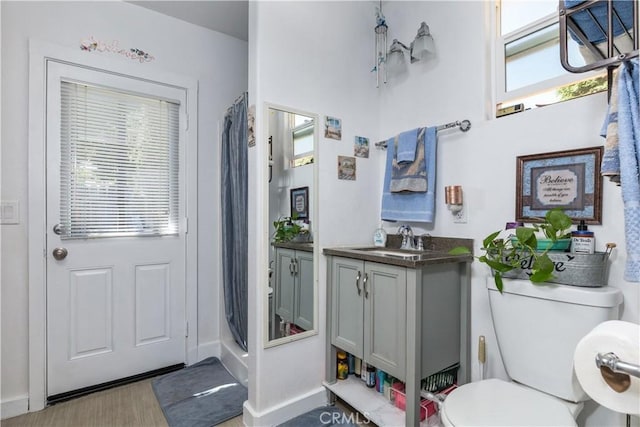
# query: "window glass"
{"points": [[302, 137], [119, 163], [529, 57]]}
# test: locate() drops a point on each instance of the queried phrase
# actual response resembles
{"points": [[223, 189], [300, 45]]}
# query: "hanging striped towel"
{"points": [[409, 206], [410, 176], [629, 148]]}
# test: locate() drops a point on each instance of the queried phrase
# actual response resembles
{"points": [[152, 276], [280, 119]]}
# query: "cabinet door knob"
{"points": [[291, 267], [358, 283], [364, 283]]}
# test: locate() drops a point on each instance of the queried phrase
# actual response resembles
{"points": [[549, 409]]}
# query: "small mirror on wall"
{"points": [[292, 293]]}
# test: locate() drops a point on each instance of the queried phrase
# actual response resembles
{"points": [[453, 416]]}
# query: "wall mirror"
{"points": [[292, 136]]}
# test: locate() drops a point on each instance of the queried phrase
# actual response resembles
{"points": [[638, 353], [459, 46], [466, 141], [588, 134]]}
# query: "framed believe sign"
{"points": [[299, 203], [569, 180]]}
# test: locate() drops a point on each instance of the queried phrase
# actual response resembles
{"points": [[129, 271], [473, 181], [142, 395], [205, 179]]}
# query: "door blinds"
{"points": [[119, 163]]}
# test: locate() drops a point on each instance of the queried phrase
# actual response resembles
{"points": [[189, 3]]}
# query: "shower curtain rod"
{"points": [[464, 126]]}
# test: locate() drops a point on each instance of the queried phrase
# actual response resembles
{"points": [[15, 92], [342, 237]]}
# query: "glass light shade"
{"points": [[395, 57], [422, 44]]}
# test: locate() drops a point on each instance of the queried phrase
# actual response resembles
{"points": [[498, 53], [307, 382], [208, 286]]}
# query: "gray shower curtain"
{"points": [[234, 219]]}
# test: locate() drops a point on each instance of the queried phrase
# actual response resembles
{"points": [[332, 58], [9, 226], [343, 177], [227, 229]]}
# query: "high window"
{"points": [[528, 68]]}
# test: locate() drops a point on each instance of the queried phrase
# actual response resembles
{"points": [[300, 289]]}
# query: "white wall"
{"points": [[218, 62], [452, 86], [302, 56], [334, 80]]}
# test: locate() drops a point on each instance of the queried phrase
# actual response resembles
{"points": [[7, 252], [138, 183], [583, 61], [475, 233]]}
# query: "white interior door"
{"points": [[115, 231]]}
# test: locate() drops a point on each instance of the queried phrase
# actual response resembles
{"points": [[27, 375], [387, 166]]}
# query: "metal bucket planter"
{"points": [[588, 270]]}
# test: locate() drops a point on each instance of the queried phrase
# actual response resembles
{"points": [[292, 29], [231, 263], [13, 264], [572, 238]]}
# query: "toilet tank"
{"points": [[539, 326]]}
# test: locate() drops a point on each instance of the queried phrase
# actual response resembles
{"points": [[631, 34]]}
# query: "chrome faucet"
{"points": [[407, 237]]}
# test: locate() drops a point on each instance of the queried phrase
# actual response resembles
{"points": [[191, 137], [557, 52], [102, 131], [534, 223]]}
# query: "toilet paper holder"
{"points": [[613, 362]]}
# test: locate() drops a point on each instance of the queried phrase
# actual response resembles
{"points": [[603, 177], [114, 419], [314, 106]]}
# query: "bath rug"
{"points": [[201, 395], [324, 416]]}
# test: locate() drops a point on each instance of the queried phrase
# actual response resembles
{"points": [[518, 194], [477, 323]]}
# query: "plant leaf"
{"points": [[498, 279], [526, 237], [496, 265], [540, 276], [489, 239], [542, 269], [558, 219]]}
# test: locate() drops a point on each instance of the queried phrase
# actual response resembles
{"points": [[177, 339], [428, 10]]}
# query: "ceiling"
{"points": [[228, 17]]}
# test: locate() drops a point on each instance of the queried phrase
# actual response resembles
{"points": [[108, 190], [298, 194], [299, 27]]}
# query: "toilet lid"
{"points": [[499, 403]]}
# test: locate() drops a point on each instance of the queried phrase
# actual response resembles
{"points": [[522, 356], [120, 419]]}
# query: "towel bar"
{"points": [[464, 126]]}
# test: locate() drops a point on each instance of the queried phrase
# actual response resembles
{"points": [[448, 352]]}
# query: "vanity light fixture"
{"points": [[453, 198], [421, 45]]}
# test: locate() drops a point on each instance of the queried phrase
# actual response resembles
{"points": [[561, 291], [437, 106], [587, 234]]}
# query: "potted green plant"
{"points": [[287, 230], [504, 255]]}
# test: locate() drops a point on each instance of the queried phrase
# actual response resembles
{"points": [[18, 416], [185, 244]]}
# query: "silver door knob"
{"points": [[60, 253]]}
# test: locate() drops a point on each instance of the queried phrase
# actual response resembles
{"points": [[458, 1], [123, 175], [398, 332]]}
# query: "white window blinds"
{"points": [[119, 163]]}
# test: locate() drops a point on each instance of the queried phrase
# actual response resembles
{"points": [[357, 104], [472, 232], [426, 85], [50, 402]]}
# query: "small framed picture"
{"points": [[347, 168], [569, 180], [299, 203], [333, 128], [361, 147]]}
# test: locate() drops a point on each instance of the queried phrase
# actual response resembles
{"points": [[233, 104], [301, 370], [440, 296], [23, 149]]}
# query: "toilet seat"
{"points": [[495, 402]]}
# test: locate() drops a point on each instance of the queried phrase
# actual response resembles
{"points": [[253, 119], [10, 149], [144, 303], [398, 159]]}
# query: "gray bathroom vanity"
{"points": [[404, 312]]}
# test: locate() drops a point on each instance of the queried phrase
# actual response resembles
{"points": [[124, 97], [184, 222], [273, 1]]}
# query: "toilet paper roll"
{"points": [[623, 339]]}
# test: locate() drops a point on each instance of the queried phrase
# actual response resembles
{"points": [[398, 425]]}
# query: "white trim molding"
{"points": [[40, 53], [14, 407], [290, 409]]}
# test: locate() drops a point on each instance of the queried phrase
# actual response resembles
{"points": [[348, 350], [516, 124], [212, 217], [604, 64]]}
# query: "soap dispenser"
{"points": [[380, 237], [582, 240]]}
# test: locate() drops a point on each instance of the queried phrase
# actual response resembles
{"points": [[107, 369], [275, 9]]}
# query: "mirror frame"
{"points": [[314, 224]]}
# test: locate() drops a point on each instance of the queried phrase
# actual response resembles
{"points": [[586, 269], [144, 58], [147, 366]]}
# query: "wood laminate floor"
{"points": [[131, 405]]}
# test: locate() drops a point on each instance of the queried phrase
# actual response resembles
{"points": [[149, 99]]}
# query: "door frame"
{"points": [[40, 53]]}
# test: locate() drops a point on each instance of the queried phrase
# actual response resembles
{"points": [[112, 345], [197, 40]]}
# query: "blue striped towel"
{"points": [[620, 159], [410, 176], [611, 158], [407, 146], [629, 148], [409, 206]]}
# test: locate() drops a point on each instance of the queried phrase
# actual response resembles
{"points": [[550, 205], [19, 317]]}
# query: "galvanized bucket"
{"points": [[587, 270]]}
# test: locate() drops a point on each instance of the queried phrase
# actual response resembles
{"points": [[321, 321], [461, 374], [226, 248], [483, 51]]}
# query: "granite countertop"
{"points": [[298, 246], [436, 252]]}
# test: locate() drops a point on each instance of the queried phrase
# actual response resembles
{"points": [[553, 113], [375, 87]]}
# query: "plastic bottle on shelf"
{"points": [[582, 240], [343, 366], [371, 376], [380, 237]]}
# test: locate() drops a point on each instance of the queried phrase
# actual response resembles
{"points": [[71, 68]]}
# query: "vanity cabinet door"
{"points": [[303, 307], [347, 305], [284, 290], [385, 296]]}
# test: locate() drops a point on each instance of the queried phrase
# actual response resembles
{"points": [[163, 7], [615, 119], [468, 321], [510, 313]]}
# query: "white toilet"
{"points": [[537, 328]]}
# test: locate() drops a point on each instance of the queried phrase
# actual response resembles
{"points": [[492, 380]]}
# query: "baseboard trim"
{"points": [[290, 409], [232, 359], [210, 349], [13, 407]]}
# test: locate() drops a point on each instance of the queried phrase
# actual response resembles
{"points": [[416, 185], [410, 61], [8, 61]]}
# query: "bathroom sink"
{"points": [[395, 253]]}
